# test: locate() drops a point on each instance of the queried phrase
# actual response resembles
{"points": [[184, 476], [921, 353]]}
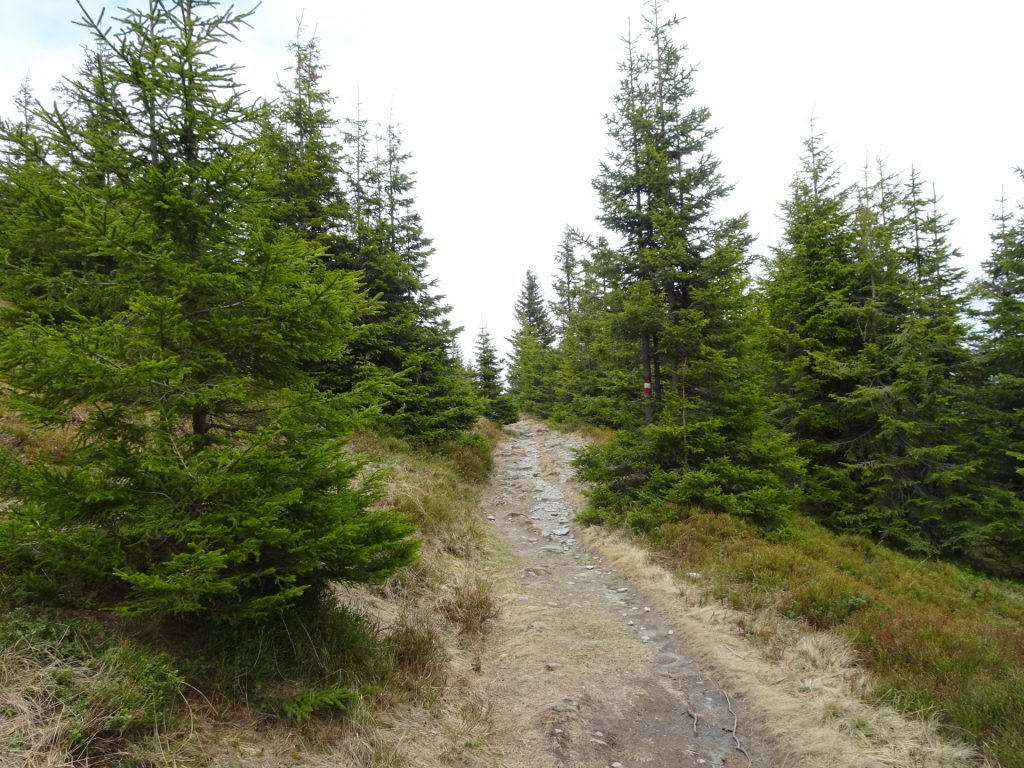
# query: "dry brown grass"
{"points": [[492, 432], [29, 441], [471, 608], [586, 433], [69, 697]]}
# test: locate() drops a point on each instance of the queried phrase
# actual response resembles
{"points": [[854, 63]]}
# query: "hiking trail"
{"points": [[588, 670]]}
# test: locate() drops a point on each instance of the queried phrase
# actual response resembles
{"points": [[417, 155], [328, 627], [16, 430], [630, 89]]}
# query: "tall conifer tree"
{"points": [[169, 322], [305, 154], [569, 280], [808, 286], [356, 201], [531, 364], [681, 288], [595, 380], [531, 312], [407, 349], [487, 380], [915, 482], [866, 330], [999, 424]]}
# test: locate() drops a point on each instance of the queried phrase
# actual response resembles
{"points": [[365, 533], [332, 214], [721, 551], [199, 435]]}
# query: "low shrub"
{"points": [[825, 601], [306, 703], [642, 478], [285, 664]]}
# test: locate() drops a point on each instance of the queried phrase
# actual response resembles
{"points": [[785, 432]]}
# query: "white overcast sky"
{"points": [[501, 105]]}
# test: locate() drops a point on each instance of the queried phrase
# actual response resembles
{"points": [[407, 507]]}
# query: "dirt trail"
{"points": [[601, 659], [587, 670]]}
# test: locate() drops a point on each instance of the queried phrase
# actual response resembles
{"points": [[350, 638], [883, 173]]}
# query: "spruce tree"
{"points": [[870, 358], [568, 282], [683, 308], [916, 482], [406, 351], [532, 362], [168, 322], [487, 380], [595, 380], [305, 154], [998, 423], [1002, 345], [531, 312], [816, 337], [357, 203], [808, 285]]}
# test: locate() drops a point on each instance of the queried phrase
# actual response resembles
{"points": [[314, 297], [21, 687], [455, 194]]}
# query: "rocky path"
{"points": [[586, 671]]}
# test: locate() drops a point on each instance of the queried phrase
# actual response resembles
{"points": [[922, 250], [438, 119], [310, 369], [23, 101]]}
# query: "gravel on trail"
{"points": [[585, 672]]}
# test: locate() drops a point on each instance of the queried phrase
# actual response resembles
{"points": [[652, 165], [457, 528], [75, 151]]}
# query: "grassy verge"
{"points": [[938, 639], [100, 690], [73, 693]]}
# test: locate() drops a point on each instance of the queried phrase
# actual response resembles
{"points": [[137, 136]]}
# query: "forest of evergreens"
{"points": [[210, 294], [856, 378], [208, 307], [206, 300], [772, 423]]}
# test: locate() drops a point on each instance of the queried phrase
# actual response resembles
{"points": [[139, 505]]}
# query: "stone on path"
{"points": [[564, 706]]}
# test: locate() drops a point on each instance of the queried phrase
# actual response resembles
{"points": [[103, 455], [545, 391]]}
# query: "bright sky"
{"points": [[501, 104]]}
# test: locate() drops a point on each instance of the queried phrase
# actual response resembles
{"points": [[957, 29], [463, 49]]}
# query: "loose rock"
{"points": [[564, 706]]}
